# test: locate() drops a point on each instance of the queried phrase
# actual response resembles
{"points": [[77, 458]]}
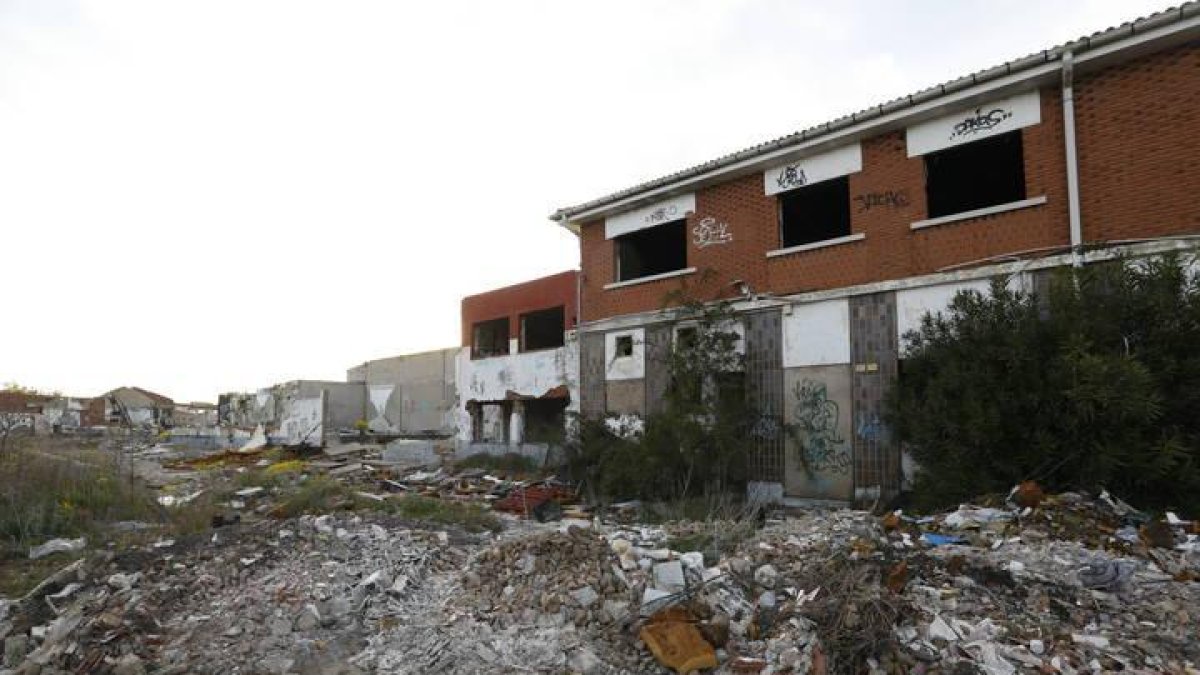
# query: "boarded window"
{"points": [[814, 213], [542, 329], [490, 338], [975, 175], [655, 250]]}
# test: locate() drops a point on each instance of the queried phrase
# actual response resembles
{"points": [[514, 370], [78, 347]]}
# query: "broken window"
{"points": [[545, 420], [815, 212], [542, 329], [624, 346], [490, 338], [655, 250], [975, 175]]}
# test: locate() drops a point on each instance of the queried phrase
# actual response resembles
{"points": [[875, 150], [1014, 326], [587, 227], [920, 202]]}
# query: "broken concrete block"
{"points": [[129, 664], [679, 645], [585, 597], [766, 576], [668, 576]]}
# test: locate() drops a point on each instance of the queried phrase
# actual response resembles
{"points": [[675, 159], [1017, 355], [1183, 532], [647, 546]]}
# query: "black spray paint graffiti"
{"points": [[710, 231], [980, 121], [662, 214], [822, 448], [791, 177], [892, 198]]}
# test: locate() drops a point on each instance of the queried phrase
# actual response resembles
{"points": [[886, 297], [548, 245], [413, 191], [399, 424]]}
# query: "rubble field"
{"points": [[1037, 583]]}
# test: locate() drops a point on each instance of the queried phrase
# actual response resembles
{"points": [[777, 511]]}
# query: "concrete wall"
{"points": [[414, 394], [345, 402], [549, 372]]}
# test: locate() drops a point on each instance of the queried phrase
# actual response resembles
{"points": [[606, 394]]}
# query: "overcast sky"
{"points": [[198, 197]]}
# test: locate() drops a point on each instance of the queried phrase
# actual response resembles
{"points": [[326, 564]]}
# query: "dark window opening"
{"points": [[545, 420], [976, 175], [731, 390], [542, 329], [655, 250], [624, 346], [815, 212], [685, 338], [490, 338]]}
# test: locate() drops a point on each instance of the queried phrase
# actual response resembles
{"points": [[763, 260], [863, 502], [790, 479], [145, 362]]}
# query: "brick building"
{"points": [[833, 241], [518, 366]]}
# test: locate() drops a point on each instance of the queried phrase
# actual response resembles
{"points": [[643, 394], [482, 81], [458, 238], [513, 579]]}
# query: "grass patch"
{"points": [[509, 462], [470, 517], [45, 495], [318, 495], [321, 494]]}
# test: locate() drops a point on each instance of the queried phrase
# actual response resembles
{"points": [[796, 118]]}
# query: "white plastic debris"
{"points": [[57, 546]]}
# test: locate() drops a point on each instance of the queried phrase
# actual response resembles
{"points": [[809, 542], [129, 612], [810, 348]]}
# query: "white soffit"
{"points": [[813, 169], [658, 213], [988, 119]]}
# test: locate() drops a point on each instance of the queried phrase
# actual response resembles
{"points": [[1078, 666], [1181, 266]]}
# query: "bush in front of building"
{"points": [[1095, 383], [695, 442]]}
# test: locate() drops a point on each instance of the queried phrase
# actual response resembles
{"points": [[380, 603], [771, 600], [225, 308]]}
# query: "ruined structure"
{"points": [[411, 395], [833, 241], [518, 366]]}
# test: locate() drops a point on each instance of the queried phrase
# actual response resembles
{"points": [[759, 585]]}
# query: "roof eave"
{"points": [[1177, 25]]}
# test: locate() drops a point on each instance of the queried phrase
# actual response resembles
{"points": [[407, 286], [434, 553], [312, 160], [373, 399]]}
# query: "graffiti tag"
{"points": [[765, 429], [871, 429], [792, 176], [822, 448], [662, 214], [980, 121], [891, 198], [710, 231]]}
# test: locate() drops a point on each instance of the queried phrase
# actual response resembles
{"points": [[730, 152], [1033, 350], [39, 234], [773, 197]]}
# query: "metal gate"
{"points": [[764, 390]]}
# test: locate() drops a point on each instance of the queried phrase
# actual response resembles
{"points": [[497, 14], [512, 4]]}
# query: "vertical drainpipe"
{"points": [[1068, 100]]}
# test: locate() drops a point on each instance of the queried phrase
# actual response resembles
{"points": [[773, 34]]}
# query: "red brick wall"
{"points": [[1138, 132], [1124, 120], [513, 301]]}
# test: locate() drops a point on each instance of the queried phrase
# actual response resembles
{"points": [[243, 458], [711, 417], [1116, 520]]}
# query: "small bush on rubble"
{"points": [[1095, 384], [696, 444]]}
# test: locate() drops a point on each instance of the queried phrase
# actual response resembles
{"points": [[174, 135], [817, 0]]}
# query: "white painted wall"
{"points": [[913, 303], [632, 367], [975, 123], [657, 213], [524, 374], [302, 421], [379, 395], [817, 334], [813, 169]]}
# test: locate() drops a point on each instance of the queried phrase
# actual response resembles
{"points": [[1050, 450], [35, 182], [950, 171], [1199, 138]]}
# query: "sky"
{"points": [[201, 197]]}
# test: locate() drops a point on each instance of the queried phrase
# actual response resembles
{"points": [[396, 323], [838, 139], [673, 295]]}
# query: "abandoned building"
{"points": [[832, 242], [518, 366], [409, 396], [299, 412], [131, 407]]}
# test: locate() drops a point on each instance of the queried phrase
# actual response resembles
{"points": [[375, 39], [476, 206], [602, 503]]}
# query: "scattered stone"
{"points": [[766, 576]]}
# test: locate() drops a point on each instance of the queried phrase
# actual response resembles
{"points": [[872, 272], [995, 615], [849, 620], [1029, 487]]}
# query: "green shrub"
{"points": [[1095, 384], [696, 443]]}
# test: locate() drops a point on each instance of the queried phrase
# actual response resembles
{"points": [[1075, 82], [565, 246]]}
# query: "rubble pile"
{"points": [[297, 596]]}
